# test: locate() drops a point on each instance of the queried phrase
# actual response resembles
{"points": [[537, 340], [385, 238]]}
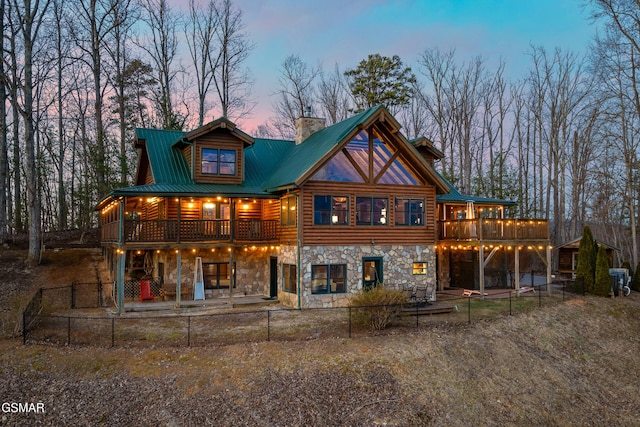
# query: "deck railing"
{"points": [[159, 231], [486, 229]]}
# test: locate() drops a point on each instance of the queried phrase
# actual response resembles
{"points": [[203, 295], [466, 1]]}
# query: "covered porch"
{"points": [[194, 275], [473, 233]]}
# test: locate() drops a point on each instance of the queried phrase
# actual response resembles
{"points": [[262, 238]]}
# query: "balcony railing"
{"points": [[493, 229], [161, 231]]}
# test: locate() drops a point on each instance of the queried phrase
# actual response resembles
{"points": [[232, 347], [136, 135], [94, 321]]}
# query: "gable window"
{"points": [[218, 162], [371, 211], [409, 212], [331, 210], [328, 278], [288, 211]]}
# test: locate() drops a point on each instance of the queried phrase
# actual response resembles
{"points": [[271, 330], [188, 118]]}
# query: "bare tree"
{"points": [[296, 92], [233, 82], [4, 152], [162, 48], [618, 52], [333, 95], [29, 18], [118, 50], [201, 35]]}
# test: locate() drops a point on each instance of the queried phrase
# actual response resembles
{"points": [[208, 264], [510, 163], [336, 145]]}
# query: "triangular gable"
{"points": [[221, 123], [401, 164]]}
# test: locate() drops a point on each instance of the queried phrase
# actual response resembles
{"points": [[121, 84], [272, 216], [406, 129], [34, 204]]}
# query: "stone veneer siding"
{"points": [[252, 269], [397, 266]]}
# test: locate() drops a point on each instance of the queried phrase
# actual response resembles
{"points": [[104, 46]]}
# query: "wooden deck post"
{"points": [[122, 259], [481, 268]]}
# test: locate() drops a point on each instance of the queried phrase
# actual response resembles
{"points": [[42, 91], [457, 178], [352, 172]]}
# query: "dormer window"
{"points": [[218, 162]]}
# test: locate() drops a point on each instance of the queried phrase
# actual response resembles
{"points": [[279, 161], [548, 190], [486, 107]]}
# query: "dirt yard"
{"points": [[572, 363]]}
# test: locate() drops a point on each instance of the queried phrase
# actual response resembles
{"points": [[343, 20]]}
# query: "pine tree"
{"points": [[602, 286], [586, 267]]}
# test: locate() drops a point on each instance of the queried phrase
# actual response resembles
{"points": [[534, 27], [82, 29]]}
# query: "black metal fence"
{"points": [[49, 300], [267, 324]]}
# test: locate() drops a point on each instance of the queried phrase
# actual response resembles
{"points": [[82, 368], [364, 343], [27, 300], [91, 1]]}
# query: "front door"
{"points": [[371, 272], [273, 277]]}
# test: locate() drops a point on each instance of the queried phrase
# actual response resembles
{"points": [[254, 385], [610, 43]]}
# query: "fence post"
{"points": [[73, 294], [510, 312], [188, 331], [24, 327], [539, 296]]}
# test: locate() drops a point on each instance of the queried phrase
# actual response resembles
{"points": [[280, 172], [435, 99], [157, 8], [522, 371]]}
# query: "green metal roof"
{"points": [[454, 196], [269, 164], [304, 156], [168, 165]]}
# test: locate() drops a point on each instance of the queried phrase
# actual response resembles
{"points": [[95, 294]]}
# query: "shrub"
{"points": [[635, 282], [602, 285], [586, 267], [377, 307]]}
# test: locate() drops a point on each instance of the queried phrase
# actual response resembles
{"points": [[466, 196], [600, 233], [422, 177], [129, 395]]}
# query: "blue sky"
{"points": [[346, 31]]}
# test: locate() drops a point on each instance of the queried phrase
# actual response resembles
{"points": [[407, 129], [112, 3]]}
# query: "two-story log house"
{"points": [[308, 222]]}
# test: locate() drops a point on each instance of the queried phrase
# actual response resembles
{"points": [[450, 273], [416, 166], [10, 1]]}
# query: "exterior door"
{"points": [[371, 272]]}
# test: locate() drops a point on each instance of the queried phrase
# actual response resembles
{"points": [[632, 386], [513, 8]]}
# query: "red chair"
{"points": [[145, 290]]}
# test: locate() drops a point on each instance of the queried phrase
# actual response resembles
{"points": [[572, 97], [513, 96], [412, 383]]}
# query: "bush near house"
{"points": [[602, 285], [635, 282], [377, 308], [586, 267]]}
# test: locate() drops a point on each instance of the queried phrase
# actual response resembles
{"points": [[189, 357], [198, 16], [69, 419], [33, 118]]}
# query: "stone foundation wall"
{"points": [[252, 268], [397, 268]]}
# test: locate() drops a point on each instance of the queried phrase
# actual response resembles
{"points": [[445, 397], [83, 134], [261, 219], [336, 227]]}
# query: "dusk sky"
{"points": [[346, 31]]}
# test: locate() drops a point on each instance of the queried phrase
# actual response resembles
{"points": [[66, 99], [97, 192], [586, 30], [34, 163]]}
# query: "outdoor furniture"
{"points": [[409, 292], [420, 296], [145, 291], [169, 290]]}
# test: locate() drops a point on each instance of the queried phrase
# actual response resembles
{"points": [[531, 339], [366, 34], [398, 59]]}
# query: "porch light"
{"points": [[193, 250], [218, 198], [245, 206]]}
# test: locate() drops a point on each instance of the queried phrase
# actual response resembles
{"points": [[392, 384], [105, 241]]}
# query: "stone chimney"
{"points": [[307, 125]]}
